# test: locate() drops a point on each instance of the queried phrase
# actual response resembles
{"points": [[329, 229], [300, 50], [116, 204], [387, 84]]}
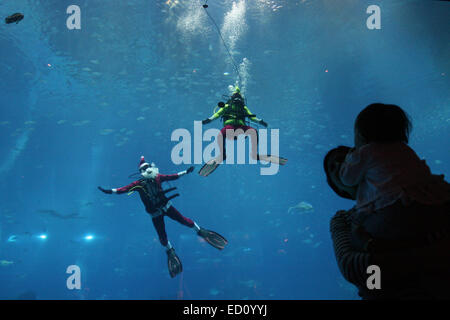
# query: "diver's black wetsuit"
{"points": [[156, 204]]}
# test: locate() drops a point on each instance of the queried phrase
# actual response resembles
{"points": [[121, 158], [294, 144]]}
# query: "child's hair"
{"points": [[380, 122]]}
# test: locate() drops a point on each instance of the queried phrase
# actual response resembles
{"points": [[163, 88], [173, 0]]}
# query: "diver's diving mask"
{"points": [[237, 99]]}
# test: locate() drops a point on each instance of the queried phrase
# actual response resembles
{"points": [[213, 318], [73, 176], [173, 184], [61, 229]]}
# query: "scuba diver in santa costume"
{"points": [[158, 206]]}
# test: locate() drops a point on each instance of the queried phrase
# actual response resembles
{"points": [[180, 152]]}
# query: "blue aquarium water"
{"points": [[81, 103]]}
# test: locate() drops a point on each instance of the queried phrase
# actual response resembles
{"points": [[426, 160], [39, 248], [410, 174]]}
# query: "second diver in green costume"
{"points": [[234, 114]]}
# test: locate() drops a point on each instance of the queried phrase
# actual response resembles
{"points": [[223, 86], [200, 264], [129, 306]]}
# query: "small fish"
{"points": [[317, 244], [5, 263], [56, 214], [16, 17], [106, 131], [301, 208]]}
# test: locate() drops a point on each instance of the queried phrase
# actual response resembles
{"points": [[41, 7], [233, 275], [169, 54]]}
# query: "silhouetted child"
{"points": [[397, 195]]}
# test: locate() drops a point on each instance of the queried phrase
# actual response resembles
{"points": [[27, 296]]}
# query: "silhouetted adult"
{"points": [[401, 220]]}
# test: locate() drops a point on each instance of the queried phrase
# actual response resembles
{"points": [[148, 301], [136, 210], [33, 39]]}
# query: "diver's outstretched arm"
{"points": [[107, 191], [216, 115], [188, 170], [254, 118], [120, 190], [169, 177]]}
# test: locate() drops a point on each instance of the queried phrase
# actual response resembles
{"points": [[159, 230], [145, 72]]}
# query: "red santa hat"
{"points": [[142, 163]]}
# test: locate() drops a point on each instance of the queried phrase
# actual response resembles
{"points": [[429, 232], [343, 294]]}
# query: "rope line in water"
{"points": [[205, 6]]}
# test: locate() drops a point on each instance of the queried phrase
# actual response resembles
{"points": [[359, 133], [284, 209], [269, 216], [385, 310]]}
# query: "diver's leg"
{"points": [[255, 144], [158, 223], [254, 140], [174, 214], [213, 238], [212, 164], [173, 262], [221, 137]]}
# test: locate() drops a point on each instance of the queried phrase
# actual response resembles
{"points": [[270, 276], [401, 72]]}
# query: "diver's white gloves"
{"points": [[189, 170]]}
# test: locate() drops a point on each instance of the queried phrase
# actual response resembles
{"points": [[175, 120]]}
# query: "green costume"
{"points": [[234, 112], [234, 115]]}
